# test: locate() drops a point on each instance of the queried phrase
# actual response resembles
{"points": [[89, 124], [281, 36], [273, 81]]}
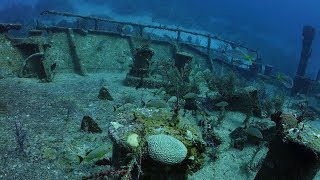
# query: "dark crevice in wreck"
{"points": [[286, 160]]}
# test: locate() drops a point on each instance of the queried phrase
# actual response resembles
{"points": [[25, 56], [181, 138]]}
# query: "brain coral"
{"points": [[166, 149]]}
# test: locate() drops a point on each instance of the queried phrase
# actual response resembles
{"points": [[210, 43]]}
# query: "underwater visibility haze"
{"points": [[135, 89]]}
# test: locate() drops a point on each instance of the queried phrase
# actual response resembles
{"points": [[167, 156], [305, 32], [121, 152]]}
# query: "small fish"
{"points": [[279, 76], [254, 132], [286, 81], [97, 153], [239, 54], [247, 57]]}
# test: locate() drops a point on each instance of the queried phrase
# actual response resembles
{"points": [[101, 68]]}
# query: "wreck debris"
{"points": [[302, 83], [141, 62], [246, 101], [305, 135], [21, 137], [4, 27], [139, 74], [35, 32], [294, 151], [33, 49], [268, 70], [181, 59], [255, 68], [104, 94], [89, 125], [25, 71]]}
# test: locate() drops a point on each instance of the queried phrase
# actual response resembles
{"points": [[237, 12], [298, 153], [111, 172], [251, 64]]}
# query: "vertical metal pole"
{"points": [[209, 52], [209, 45], [318, 76], [308, 36], [301, 84], [178, 35]]}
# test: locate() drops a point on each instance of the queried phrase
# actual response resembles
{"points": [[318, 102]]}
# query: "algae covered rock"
{"points": [[166, 149], [305, 135]]}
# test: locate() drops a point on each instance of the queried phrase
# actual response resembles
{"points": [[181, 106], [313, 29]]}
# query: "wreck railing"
{"points": [[209, 37]]}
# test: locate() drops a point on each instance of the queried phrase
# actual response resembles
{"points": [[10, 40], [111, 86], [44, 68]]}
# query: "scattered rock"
{"points": [[104, 94], [89, 125]]}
